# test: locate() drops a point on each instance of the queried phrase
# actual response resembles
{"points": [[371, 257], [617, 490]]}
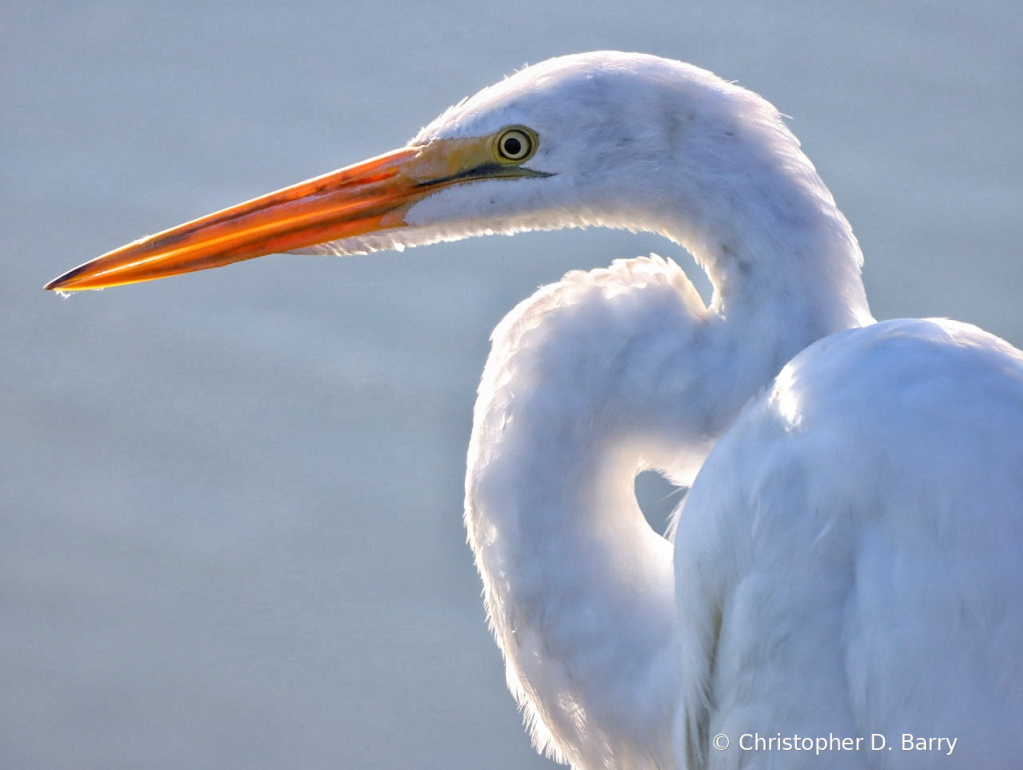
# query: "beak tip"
{"points": [[67, 281], [59, 283]]}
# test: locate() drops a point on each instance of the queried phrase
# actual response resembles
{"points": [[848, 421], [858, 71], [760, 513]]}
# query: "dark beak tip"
{"points": [[61, 281]]}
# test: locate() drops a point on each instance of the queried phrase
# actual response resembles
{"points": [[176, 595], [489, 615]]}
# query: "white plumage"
{"points": [[847, 561], [863, 520]]}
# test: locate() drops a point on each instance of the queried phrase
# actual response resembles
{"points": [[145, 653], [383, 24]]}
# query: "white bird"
{"points": [[848, 561]]}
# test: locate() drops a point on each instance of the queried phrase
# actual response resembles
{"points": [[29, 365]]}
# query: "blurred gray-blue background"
{"points": [[230, 503]]}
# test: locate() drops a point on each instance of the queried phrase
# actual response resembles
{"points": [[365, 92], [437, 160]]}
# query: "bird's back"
{"points": [[849, 559]]}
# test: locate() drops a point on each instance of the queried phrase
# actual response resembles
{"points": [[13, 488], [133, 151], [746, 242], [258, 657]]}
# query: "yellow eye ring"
{"points": [[515, 144]]}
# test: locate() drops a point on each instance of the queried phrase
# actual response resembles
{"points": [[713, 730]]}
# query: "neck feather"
{"points": [[579, 589]]}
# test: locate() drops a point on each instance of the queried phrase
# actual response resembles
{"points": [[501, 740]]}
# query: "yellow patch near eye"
{"points": [[500, 155]]}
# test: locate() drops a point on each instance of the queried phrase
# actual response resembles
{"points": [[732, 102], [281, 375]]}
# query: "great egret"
{"points": [[848, 560]]}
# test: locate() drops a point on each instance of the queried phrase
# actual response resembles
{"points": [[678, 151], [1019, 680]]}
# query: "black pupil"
{"points": [[512, 146]]}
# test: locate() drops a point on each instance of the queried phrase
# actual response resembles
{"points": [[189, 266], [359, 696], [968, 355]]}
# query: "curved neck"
{"points": [[590, 381], [599, 377]]}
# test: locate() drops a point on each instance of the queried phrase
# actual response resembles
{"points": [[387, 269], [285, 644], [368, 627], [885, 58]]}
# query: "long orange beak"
{"points": [[367, 197]]}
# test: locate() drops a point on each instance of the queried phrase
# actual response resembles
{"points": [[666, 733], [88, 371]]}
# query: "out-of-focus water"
{"points": [[230, 511]]}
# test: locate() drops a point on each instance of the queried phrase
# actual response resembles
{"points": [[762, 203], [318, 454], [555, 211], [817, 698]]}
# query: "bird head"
{"points": [[574, 141]]}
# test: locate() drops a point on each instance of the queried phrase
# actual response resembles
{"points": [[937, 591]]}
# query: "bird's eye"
{"points": [[515, 145]]}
